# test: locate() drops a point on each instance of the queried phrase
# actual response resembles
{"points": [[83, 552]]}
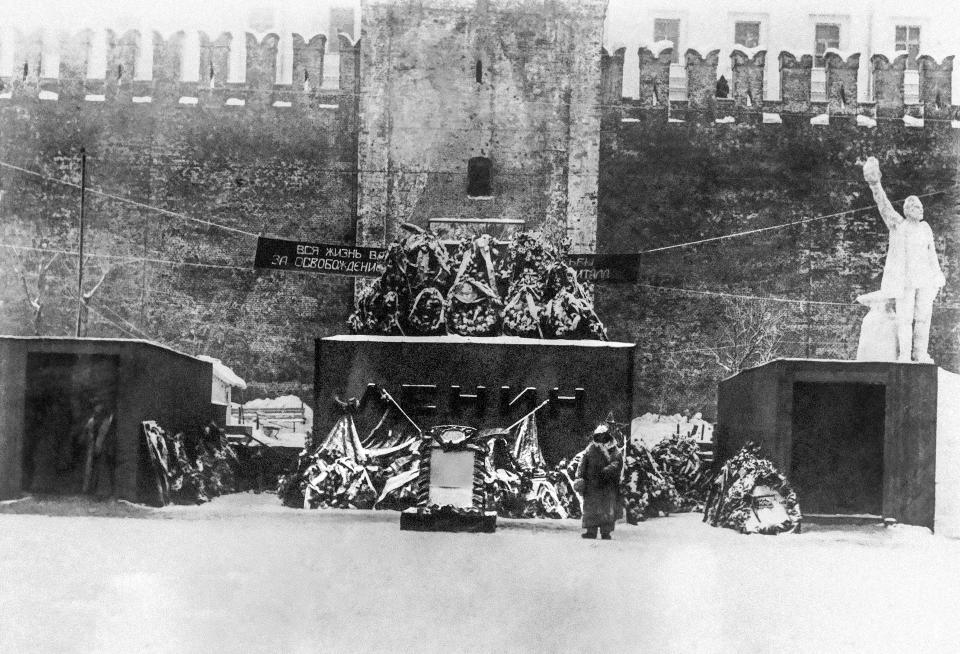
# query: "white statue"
{"points": [[911, 274], [878, 331]]}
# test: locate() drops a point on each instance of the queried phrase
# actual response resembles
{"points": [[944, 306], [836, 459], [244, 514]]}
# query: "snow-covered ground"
{"points": [[243, 574], [651, 428]]}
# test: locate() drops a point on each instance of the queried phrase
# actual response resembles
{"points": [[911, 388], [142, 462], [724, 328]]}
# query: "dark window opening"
{"points": [[479, 72], [747, 34], [479, 173], [827, 35], [668, 29]]}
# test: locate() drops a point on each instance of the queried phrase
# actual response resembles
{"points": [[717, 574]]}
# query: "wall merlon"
{"points": [[795, 77], [841, 83], [747, 73], [261, 66], [827, 95], [936, 82], [654, 77], [611, 89], [702, 82], [215, 60], [122, 55], [167, 58], [308, 62], [95, 62]]}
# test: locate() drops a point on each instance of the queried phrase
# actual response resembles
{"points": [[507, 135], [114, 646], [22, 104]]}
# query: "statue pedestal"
{"points": [[854, 438]]}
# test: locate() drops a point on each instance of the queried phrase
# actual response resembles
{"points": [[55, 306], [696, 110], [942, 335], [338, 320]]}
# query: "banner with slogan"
{"points": [[323, 258], [358, 261], [601, 268]]}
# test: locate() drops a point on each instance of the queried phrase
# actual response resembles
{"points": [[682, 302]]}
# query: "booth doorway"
{"points": [[837, 447], [63, 393]]}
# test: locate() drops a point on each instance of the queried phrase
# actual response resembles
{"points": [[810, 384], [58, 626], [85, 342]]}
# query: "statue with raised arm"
{"points": [[911, 274]]}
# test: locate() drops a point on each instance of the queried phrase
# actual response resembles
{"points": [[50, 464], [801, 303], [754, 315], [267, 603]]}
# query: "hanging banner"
{"points": [[601, 268], [358, 261], [324, 258]]}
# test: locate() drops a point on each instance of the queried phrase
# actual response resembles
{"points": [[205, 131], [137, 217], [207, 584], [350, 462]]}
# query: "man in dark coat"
{"points": [[99, 438], [600, 471]]}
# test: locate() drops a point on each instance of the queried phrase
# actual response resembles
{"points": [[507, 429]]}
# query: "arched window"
{"points": [[479, 174]]}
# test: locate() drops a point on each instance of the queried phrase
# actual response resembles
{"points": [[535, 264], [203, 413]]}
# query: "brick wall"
{"points": [[238, 157], [284, 160], [664, 183], [534, 113]]}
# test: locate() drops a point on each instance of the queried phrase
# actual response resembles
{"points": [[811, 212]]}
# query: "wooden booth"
{"points": [[869, 439], [59, 394]]}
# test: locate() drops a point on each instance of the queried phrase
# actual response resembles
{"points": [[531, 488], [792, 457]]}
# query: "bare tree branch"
{"points": [[749, 333], [44, 267], [89, 294]]}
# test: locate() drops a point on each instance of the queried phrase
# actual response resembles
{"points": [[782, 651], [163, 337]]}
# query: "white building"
{"points": [[224, 381], [800, 27], [308, 18]]}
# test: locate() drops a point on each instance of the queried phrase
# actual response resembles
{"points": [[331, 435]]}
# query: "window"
{"points": [[668, 29], [827, 35], [907, 39], [479, 173], [478, 72], [341, 20], [746, 34]]}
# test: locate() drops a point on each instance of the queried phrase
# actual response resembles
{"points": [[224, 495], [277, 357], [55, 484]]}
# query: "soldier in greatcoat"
{"points": [[599, 477]]}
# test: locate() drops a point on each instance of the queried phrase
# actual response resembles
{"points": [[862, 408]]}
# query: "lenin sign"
{"points": [[478, 382]]}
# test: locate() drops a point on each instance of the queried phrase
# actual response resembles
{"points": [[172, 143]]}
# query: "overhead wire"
{"points": [[124, 200], [247, 268]]}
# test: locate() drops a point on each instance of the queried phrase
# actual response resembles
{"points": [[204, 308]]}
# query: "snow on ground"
{"points": [[651, 428], [289, 402], [243, 574], [480, 340]]}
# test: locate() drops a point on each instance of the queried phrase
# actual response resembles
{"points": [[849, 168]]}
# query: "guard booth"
{"points": [[856, 439], [53, 389]]}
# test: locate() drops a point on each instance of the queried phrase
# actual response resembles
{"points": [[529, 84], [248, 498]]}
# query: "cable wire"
{"points": [[124, 200]]}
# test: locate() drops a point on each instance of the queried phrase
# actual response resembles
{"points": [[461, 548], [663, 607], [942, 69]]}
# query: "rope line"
{"points": [[243, 232], [143, 334], [118, 327], [124, 200], [792, 223], [128, 258], [671, 289], [692, 291]]}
